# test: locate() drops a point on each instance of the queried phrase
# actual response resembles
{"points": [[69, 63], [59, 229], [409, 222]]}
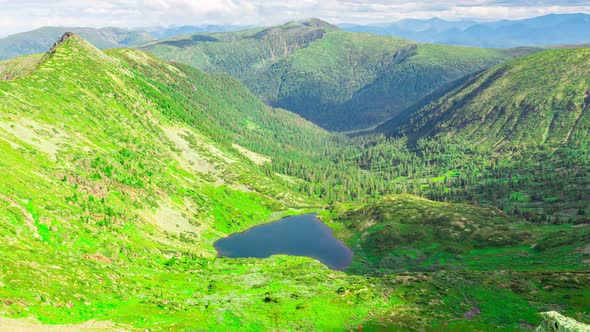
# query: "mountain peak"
{"points": [[64, 37], [317, 23], [71, 41], [72, 47]]}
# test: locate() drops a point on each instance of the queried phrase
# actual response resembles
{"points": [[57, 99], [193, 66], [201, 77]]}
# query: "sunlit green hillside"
{"points": [[537, 100]]}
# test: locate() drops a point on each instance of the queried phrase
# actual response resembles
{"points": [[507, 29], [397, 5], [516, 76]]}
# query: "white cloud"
{"points": [[28, 14]]}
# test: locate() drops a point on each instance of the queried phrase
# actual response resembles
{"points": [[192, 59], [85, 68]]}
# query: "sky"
{"points": [[24, 15]]}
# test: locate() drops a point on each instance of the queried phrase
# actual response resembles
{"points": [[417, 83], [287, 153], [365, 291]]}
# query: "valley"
{"points": [[320, 72], [464, 208]]}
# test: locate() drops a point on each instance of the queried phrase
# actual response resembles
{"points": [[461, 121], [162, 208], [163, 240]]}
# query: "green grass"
{"points": [[15, 68], [405, 233]]}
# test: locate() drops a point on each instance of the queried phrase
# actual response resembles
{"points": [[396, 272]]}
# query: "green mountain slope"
{"points": [[336, 79], [14, 68], [39, 40], [537, 100], [109, 178], [407, 233], [119, 172], [505, 270]]}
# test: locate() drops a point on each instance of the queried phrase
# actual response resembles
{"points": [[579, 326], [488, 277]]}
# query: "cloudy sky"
{"points": [[22, 15]]}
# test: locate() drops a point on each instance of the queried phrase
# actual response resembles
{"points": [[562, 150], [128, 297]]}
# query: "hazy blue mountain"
{"points": [[555, 29], [415, 29], [165, 32], [40, 40]]}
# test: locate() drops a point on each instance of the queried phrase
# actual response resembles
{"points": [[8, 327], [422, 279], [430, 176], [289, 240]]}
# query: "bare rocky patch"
{"points": [[256, 158], [171, 220], [42, 137], [29, 221], [192, 151]]}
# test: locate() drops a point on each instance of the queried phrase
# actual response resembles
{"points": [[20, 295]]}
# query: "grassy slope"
{"points": [[321, 72], [39, 40], [540, 99], [119, 173], [496, 267], [14, 68], [405, 233], [111, 202]]}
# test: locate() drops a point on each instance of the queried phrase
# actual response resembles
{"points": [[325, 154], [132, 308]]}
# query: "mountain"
{"points": [[39, 40], [541, 99], [120, 171], [538, 31], [548, 30], [427, 30], [336, 79], [165, 32], [433, 25]]}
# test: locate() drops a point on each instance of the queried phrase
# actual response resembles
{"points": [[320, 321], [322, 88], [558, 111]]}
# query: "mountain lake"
{"points": [[303, 235]]}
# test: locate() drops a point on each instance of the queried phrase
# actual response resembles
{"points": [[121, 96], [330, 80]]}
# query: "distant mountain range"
{"points": [[338, 79], [165, 32], [555, 29], [40, 40], [549, 30]]}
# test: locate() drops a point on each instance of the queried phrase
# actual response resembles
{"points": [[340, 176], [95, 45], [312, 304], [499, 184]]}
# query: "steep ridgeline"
{"points": [[124, 126], [336, 79], [540, 99], [39, 40]]}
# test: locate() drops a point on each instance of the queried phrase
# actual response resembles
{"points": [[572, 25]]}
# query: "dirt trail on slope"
{"points": [[26, 325], [29, 221]]}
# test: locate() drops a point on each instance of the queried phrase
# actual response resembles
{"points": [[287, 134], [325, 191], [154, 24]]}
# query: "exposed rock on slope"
{"points": [[555, 322]]}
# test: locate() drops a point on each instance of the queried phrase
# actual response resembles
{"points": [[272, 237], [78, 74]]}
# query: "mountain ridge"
{"points": [[534, 100], [547, 30], [40, 40], [336, 79]]}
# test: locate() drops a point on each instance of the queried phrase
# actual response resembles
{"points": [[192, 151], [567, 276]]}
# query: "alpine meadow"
{"points": [[302, 176]]}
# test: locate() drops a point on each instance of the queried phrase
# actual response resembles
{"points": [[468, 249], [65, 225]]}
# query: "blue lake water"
{"points": [[303, 235]]}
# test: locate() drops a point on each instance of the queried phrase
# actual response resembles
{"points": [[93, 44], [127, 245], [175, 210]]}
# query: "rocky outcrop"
{"points": [[63, 38], [555, 322]]}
